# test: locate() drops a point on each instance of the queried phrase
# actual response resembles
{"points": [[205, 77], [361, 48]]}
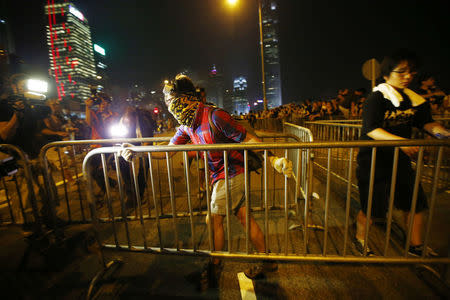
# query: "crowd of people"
{"points": [[348, 104]]}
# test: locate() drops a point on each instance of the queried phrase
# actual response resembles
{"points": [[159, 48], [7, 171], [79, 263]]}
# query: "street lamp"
{"points": [[234, 2]]}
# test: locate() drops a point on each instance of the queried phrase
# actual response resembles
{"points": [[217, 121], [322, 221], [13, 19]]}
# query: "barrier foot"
{"points": [[112, 265]]}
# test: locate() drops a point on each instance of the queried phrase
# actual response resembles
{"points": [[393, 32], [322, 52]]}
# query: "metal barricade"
{"points": [[334, 131], [183, 232], [350, 130], [301, 158], [61, 163], [18, 202]]}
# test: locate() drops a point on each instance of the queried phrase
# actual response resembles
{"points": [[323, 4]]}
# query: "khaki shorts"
{"points": [[237, 192]]}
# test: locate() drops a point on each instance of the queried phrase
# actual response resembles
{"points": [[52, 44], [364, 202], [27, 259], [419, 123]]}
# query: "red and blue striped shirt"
{"points": [[201, 133]]}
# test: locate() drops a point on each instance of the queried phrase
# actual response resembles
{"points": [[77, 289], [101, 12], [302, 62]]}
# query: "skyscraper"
{"points": [[271, 52], [215, 88], [70, 50], [239, 98], [101, 66]]}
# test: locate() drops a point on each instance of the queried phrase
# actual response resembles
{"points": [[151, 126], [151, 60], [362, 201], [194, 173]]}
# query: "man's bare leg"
{"points": [[418, 224], [256, 235], [361, 225], [218, 233]]}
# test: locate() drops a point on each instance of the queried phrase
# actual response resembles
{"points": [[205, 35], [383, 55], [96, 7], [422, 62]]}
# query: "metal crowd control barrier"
{"points": [[334, 131], [302, 161], [66, 160], [349, 130], [17, 179], [185, 234]]}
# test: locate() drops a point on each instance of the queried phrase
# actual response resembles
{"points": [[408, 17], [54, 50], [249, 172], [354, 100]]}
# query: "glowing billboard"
{"points": [[99, 49]]}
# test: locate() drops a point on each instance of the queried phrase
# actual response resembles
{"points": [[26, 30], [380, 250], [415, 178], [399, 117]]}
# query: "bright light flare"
{"points": [[38, 86], [232, 2], [118, 130]]}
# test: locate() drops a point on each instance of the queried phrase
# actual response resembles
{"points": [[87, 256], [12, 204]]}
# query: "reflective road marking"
{"points": [[246, 285]]}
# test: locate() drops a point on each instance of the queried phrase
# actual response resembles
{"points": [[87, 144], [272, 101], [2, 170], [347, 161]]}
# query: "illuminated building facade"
{"points": [[271, 52], [101, 66], [239, 98], [70, 50], [215, 90]]}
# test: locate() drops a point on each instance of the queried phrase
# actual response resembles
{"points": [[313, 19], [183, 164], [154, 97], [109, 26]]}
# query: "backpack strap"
{"points": [[218, 135]]}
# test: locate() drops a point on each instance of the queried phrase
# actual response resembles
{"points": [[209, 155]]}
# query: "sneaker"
{"points": [[259, 270], [359, 245], [418, 250]]}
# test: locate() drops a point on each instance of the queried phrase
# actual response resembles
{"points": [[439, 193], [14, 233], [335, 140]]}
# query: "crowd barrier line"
{"points": [[323, 256]]}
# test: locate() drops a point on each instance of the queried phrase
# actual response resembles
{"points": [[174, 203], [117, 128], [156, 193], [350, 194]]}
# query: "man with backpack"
{"points": [[205, 124]]}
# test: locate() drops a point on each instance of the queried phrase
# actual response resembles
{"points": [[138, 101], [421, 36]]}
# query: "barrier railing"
{"points": [[18, 202], [61, 164], [324, 130], [149, 232], [301, 159]]}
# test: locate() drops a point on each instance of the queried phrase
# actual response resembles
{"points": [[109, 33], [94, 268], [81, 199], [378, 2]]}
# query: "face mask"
{"points": [[184, 109]]}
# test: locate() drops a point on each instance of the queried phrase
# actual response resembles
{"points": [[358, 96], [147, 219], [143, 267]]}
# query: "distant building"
{"points": [[228, 101], [271, 52], [239, 98], [101, 66], [70, 50], [215, 89], [6, 41]]}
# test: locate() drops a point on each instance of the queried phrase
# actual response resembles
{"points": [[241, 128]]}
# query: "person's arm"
{"points": [[281, 164], [8, 129], [179, 138], [48, 131], [88, 111], [381, 134]]}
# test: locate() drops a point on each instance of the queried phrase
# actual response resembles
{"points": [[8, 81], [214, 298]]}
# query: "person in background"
{"points": [[99, 115], [431, 92], [389, 113], [344, 104], [139, 123], [100, 119]]}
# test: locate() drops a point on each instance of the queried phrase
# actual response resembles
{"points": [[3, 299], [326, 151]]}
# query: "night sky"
{"points": [[323, 43]]}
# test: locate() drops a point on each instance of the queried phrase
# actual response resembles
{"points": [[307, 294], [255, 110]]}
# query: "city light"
{"points": [[76, 13], [99, 49], [38, 86]]}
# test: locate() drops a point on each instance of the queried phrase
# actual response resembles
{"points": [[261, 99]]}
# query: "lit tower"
{"points": [[102, 67], [214, 92], [271, 52], [70, 50], [239, 98]]}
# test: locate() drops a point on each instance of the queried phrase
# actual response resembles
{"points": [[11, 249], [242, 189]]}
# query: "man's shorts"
{"points": [[237, 193]]}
